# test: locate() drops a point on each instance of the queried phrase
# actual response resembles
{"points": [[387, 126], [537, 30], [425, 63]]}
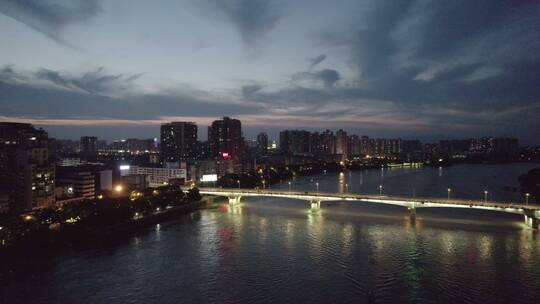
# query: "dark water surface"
{"points": [[465, 181], [278, 251]]}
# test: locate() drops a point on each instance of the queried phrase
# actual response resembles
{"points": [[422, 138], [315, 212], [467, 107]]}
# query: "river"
{"points": [[278, 251]]}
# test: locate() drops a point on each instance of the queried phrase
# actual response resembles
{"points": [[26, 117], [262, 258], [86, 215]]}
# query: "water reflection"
{"points": [[466, 181], [282, 252]]}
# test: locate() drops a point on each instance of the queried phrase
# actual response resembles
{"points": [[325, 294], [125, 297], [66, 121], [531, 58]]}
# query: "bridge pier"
{"points": [[531, 220], [315, 205], [412, 213], [234, 200]]}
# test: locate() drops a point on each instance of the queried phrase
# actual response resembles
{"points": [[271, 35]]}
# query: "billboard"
{"points": [[209, 178]]}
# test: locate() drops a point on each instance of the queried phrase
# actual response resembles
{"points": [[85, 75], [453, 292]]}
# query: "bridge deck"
{"points": [[327, 196]]}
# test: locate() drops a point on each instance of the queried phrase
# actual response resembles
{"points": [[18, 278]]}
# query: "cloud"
{"points": [[327, 77], [291, 106], [97, 81], [316, 60], [249, 90], [467, 55], [98, 95], [252, 18], [49, 17], [92, 82], [482, 73]]}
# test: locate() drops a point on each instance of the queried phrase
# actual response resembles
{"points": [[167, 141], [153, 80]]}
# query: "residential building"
{"points": [[225, 139], [178, 141], [88, 146], [26, 171], [155, 176]]}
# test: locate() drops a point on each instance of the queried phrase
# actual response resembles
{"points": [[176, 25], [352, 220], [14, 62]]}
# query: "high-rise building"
{"points": [[262, 142], [225, 139], [412, 145], [454, 147], [367, 145], [315, 143], [135, 145], [495, 145], [387, 147], [294, 141], [178, 141], [354, 145], [328, 143], [88, 145], [342, 144], [506, 146], [26, 172]]}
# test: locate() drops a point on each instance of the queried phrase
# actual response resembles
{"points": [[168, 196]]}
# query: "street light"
{"points": [[118, 188], [317, 184], [449, 190], [346, 187], [238, 181], [264, 182], [380, 190], [527, 198], [289, 186], [485, 196]]}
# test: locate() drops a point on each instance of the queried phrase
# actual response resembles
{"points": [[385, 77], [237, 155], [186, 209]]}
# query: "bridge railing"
{"points": [[356, 196]]}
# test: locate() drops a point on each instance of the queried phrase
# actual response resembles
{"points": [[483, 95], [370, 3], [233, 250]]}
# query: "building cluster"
{"points": [[338, 145], [37, 171]]}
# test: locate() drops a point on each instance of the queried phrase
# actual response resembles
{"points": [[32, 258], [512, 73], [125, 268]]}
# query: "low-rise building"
{"points": [[155, 176]]}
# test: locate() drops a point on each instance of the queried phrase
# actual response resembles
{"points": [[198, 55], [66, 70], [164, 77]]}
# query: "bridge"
{"points": [[531, 213]]}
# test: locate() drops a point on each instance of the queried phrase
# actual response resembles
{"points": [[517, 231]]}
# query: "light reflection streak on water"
{"points": [[347, 234], [314, 230], [412, 272], [289, 236], [485, 248], [341, 182]]}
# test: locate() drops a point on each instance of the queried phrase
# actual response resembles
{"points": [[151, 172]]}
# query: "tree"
{"points": [[193, 195]]}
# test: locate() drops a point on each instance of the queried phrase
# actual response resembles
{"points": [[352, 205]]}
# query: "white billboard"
{"points": [[125, 167], [209, 178]]}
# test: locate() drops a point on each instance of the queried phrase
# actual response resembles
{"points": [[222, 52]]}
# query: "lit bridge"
{"points": [[531, 213]]}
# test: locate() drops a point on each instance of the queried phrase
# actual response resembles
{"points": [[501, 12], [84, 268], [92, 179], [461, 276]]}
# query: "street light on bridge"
{"points": [[238, 181], [527, 198], [346, 188], [380, 190], [317, 184], [485, 196], [289, 186], [449, 190]]}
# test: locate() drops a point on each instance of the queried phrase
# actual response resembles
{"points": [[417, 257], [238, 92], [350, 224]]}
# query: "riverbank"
{"points": [[73, 235]]}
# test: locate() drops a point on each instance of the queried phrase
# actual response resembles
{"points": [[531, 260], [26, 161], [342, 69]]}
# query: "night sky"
{"points": [[415, 69]]}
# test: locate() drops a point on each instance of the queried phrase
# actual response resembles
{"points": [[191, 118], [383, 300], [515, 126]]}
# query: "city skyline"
{"points": [[413, 69]]}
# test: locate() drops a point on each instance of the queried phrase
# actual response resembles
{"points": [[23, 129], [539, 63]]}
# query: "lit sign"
{"points": [[124, 167], [209, 178]]}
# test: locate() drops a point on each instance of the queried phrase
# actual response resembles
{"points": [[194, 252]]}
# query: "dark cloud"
{"points": [[48, 16], [465, 55], [249, 90], [316, 60], [35, 100], [7, 74], [93, 82], [447, 67], [252, 18], [327, 77]]}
